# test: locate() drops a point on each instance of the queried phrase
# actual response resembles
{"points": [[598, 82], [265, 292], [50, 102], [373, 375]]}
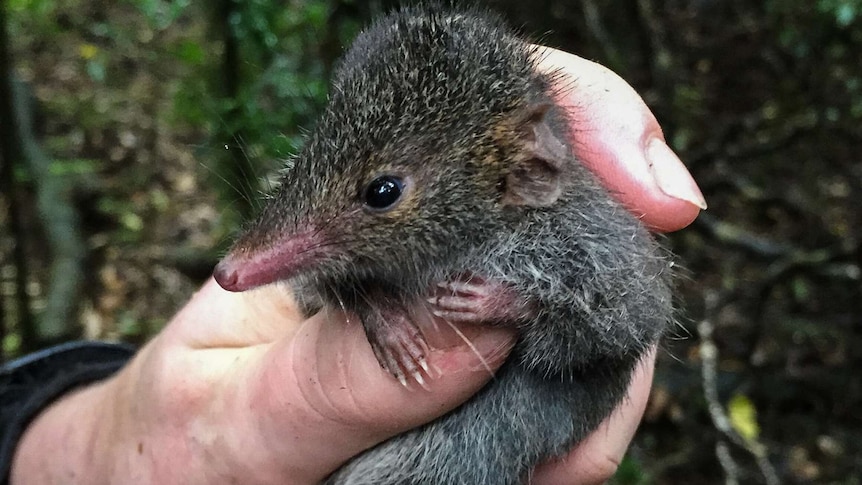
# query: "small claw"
{"points": [[465, 287], [420, 380], [402, 380], [457, 316], [423, 349], [456, 302], [401, 348]]}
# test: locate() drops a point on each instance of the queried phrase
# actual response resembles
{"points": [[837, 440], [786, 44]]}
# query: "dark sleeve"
{"points": [[31, 383]]}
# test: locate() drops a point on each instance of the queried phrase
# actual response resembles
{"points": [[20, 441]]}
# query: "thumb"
{"points": [[324, 390], [616, 136]]}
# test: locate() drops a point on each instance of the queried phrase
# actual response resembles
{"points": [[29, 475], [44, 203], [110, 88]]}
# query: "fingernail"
{"points": [[671, 175]]}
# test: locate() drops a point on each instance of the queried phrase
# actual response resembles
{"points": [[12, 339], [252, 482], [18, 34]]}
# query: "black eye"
{"points": [[383, 192]]}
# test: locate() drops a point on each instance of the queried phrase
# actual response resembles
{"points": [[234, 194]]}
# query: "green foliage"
{"points": [[96, 70], [95, 60], [31, 18], [162, 14], [255, 81], [804, 25], [845, 12], [12, 343], [127, 213], [74, 166], [190, 53], [39, 8], [281, 68], [742, 413], [257, 86], [129, 326], [631, 472]]}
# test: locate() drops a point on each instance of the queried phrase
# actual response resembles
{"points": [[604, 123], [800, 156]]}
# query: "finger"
{"points": [[595, 460], [217, 318], [617, 137], [322, 397]]}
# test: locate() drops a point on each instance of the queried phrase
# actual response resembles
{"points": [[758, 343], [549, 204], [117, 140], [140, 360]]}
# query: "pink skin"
{"points": [[238, 388], [619, 139]]}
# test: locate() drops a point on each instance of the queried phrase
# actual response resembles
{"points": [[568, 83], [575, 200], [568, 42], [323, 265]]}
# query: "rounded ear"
{"points": [[534, 180]]}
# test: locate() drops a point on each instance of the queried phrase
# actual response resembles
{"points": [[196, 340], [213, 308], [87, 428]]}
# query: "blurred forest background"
{"points": [[137, 134]]}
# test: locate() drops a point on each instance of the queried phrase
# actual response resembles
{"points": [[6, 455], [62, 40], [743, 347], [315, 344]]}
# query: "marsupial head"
{"points": [[439, 133]]}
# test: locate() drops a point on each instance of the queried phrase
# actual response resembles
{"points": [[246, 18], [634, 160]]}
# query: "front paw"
{"points": [[474, 299], [399, 346]]}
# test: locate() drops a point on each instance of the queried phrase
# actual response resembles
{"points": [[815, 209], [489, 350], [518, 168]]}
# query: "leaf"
{"points": [[631, 472], [96, 70], [191, 52], [73, 166], [88, 51], [845, 14], [132, 221], [12, 344], [743, 417]]}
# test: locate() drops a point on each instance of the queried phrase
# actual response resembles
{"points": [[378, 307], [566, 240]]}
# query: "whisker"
{"points": [[340, 303], [222, 178], [472, 347], [248, 172]]}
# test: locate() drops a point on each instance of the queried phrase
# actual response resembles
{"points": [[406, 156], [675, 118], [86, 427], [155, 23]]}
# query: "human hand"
{"points": [[239, 388]]}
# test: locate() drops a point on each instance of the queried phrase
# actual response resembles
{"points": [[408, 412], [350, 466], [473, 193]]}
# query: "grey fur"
{"points": [[422, 93]]}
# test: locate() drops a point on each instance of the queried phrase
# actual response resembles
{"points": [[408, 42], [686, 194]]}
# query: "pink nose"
{"points": [[246, 267], [226, 276]]}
